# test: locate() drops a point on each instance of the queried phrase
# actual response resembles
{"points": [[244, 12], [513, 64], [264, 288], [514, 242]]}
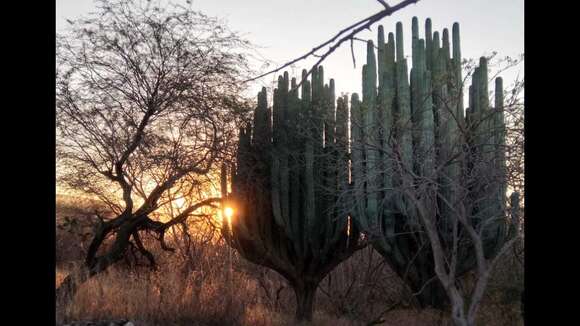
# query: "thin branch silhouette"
{"points": [[354, 29]]}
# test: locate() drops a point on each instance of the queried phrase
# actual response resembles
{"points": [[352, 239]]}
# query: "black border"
{"points": [[550, 163], [28, 156]]}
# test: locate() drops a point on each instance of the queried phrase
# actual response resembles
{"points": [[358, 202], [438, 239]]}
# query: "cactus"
{"points": [[427, 142], [301, 208], [286, 183]]}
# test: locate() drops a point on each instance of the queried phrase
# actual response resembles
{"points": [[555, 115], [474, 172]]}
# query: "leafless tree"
{"points": [[148, 99]]}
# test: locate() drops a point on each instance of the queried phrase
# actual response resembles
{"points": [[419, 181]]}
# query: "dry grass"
{"points": [[192, 287], [167, 297], [60, 275], [260, 316], [157, 298]]}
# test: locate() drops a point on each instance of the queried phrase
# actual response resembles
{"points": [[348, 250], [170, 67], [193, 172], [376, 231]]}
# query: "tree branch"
{"points": [[354, 28], [386, 5]]}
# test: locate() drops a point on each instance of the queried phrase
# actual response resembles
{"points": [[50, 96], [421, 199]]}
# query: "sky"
{"points": [[284, 30]]}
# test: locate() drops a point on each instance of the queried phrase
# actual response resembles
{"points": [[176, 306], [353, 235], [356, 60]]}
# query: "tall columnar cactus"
{"points": [[427, 145], [286, 186], [295, 192]]}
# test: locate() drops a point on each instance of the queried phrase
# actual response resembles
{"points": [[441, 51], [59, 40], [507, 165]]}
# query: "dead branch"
{"points": [[354, 29]]}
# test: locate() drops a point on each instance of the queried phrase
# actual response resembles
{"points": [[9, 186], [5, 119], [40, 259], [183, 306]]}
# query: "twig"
{"points": [[352, 53], [384, 4]]}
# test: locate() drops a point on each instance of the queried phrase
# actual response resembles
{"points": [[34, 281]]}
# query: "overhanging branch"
{"points": [[354, 30]]}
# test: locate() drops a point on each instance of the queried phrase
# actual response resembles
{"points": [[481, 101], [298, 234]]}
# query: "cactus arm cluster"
{"points": [[423, 136], [286, 186]]}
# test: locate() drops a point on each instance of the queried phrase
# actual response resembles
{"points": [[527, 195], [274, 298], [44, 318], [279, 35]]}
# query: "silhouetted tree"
{"points": [[146, 99]]}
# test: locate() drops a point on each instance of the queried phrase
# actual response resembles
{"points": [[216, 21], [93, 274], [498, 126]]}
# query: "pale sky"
{"points": [[287, 29]]}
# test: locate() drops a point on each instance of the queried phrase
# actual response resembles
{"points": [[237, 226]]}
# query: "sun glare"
{"points": [[229, 212]]}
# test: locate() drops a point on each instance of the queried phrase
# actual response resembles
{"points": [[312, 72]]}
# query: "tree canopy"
{"points": [[147, 100]]}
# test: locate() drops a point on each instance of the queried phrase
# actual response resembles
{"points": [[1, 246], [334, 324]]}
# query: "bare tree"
{"points": [[147, 99]]}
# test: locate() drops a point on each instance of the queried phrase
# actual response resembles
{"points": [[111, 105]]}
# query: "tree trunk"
{"points": [[457, 307], [461, 322], [305, 292]]}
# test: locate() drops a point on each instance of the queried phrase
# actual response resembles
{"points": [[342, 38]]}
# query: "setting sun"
{"points": [[228, 212]]}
